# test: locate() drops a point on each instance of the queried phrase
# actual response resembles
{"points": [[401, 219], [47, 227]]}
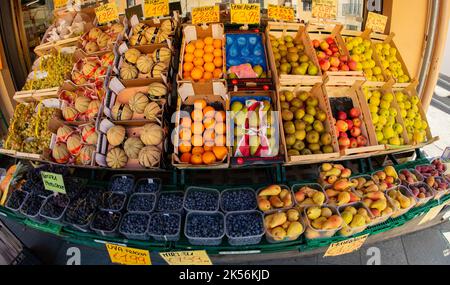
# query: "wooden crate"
{"points": [[324, 104], [36, 95], [369, 133], [336, 78], [295, 30]]}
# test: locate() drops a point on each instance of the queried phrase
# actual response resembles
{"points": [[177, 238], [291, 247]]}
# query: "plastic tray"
{"points": [[204, 240], [397, 181], [110, 193], [174, 237], [271, 239], [272, 210], [419, 176], [405, 191], [17, 210], [148, 181], [244, 240], [232, 46], [243, 189], [351, 190], [296, 187], [179, 209], [138, 236], [367, 177], [141, 194], [111, 233], [422, 201], [356, 230], [439, 194], [201, 189], [312, 233], [37, 218], [445, 165], [55, 220], [425, 175], [121, 175]]}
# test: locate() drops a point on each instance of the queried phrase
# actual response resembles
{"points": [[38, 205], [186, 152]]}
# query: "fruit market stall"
{"points": [[167, 136]]}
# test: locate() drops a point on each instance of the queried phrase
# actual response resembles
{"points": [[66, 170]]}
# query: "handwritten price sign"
{"points": [[324, 9], [204, 15], [60, 3], [156, 8], [376, 22], [245, 13], [127, 255], [346, 246], [195, 257], [281, 13], [107, 13]]}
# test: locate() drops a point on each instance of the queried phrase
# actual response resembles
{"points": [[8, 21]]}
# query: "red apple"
{"points": [[342, 115], [342, 126], [355, 113], [343, 58], [357, 122], [328, 52], [345, 67], [316, 43], [344, 142], [334, 68], [321, 55], [355, 132], [334, 61], [336, 54], [343, 135], [334, 49], [353, 65], [330, 41], [324, 64], [353, 143], [324, 46], [350, 124], [362, 141]]}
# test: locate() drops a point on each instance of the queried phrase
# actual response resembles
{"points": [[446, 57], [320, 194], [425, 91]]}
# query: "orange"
{"points": [[186, 75], [220, 116], [185, 157], [200, 104], [189, 57], [208, 57], [208, 40], [208, 157], [196, 159], [220, 140], [209, 135], [208, 145], [197, 115], [197, 140], [217, 43], [199, 44], [184, 146], [197, 73], [207, 75], [188, 66], [198, 61], [209, 49], [217, 52], [220, 152], [185, 134], [190, 47], [197, 128], [220, 128], [199, 53], [185, 122], [217, 73], [218, 62], [197, 150], [209, 66], [209, 112]]}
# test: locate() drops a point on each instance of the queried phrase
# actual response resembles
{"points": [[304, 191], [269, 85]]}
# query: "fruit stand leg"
{"points": [[369, 164], [283, 173], [419, 154], [393, 159], [362, 166]]}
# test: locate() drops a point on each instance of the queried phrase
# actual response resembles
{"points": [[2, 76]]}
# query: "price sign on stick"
{"points": [[245, 13], [281, 13], [60, 3], [376, 22], [107, 13], [345, 246], [324, 9], [53, 182], [194, 257], [205, 15], [127, 255], [156, 8]]}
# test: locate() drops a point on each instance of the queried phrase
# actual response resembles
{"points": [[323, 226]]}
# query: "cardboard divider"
{"points": [[296, 31]]}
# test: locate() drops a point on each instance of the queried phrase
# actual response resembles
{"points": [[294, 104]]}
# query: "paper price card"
{"points": [[204, 15], [156, 8], [324, 9], [346, 246], [127, 255], [194, 257], [376, 22], [281, 13], [60, 3], [53, 182], [245, 13], [107, 13]]}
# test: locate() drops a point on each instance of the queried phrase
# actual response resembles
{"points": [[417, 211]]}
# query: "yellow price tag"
{"points": [[194, 257], [156, 8], [127, 255], [107, 13], [60, 3], [281, 13], [346, 246], [204, 15], [245, 13], [376, 22], [324, 9]]}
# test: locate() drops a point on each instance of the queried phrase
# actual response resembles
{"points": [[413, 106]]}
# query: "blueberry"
{"points": [[164, 224], [134, 223], [121, 183], [16, 199], [105, 221], [32, 205], [203, 225], [238, 200], [170, 201], [244, 224], [141, 202], [54, 206], [201, 200], [147, 186], [113, 201]]}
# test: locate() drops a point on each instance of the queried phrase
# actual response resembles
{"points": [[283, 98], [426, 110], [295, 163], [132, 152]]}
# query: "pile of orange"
{"points": [[203, 59], [203, 135]]}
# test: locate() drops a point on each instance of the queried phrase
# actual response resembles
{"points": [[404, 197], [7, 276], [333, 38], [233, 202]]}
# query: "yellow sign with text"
{"points": [[245, 13], [127, 255], [281, 13], [324, 9], [346, 246], [194, 257], [376, 22], [107, 13], [156, 8], [205, 15], [60, 3]]}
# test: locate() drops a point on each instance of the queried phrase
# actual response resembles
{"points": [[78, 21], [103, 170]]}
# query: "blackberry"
{"points": [[54, 206], [16, 199], [32, 205]]}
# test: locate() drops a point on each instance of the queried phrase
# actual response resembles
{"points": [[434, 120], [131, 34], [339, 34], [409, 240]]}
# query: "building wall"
{"points": [[445, 67]]}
